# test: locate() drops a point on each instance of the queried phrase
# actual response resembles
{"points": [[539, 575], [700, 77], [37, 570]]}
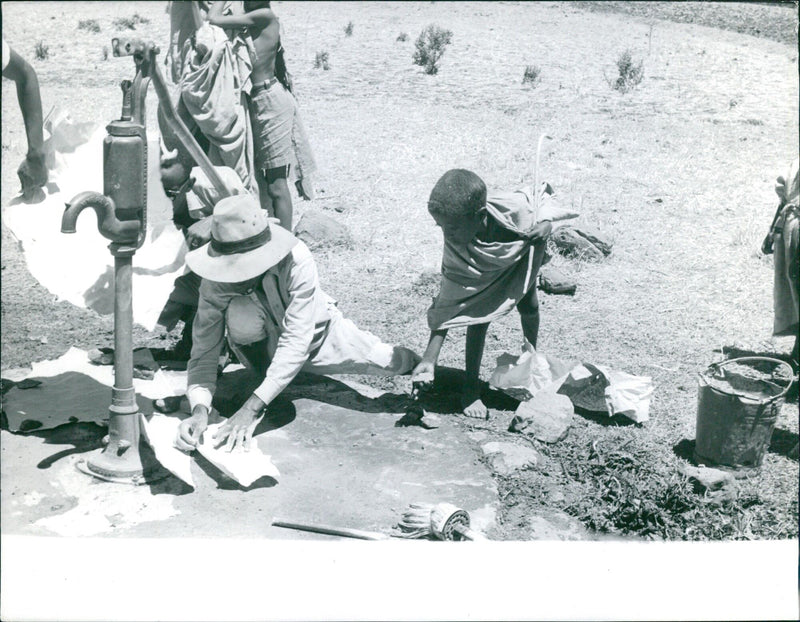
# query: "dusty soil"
{"points": [[679, 172]]}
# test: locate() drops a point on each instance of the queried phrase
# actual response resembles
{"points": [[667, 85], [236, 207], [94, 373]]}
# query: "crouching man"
{"points": [[260, 283]]}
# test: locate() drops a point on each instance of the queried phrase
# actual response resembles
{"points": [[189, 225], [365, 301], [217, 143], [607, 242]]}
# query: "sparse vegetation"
{"points": [[430, 47], [41, 51], [402, 36], [90, 25], [321, 61], [130, 23], [630, 73], [348, 30], [531, 75]]}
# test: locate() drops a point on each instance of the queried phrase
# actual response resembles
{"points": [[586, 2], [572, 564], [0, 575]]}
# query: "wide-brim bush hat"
{"points": [[245, 242]]}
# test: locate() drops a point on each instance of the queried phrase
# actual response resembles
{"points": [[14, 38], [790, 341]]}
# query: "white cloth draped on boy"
{"points": [[213, 71], [483, 281]]}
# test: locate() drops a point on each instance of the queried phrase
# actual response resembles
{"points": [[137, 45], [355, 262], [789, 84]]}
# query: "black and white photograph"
{"points": [[399, 310]]}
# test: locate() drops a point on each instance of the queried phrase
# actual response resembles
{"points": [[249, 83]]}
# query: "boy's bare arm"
{"points": [[260, 18], [32, 172], [30, 101], [423, 372]]}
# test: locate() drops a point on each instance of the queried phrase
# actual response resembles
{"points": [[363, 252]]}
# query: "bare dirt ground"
{"points": [[679, 171]]}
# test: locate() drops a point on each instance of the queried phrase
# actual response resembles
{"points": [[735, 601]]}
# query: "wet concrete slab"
{"points": [[342, 460]]}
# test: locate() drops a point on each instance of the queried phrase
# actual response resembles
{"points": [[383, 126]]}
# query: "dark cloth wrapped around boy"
{"points": [[486, 278]]}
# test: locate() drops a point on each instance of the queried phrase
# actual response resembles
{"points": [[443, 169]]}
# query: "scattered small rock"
{"points": [[707, 479], [554, 281], [318, 230], [101, 356], [506, 458], [547, 417]]}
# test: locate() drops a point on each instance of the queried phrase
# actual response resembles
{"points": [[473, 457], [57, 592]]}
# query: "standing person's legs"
{"points": [[280, 198], [272, 112]]}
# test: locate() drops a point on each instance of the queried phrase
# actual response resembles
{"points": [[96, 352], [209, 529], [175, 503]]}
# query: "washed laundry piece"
{"points": [[598, 388], [74, 389], [523, 376], [160, 433], [243, 466], [78, 267]]}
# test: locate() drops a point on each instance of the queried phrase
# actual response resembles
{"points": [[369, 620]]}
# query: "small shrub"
{"points": [[130, 23], [348, 30], [41, 51], [91, 25], [402, 37], [430, 46], [321, 61], [531, 74], [630, 73]]}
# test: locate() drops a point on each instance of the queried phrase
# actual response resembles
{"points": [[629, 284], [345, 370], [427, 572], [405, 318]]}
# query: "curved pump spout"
{"points": [[123, 231]]}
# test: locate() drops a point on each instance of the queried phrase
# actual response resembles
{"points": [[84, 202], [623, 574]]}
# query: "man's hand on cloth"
{"points": [[239, 428], [191, 429]]}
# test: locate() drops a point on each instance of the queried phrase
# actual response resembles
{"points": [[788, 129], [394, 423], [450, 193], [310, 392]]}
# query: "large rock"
{"points": [[571, 243], [546, 417], [506, 458], [318, 230]]}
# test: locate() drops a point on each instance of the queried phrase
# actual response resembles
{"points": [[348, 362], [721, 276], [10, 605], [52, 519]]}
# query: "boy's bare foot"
{"points": [[477, 410]]}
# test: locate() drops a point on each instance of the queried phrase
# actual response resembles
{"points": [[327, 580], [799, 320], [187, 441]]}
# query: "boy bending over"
{"points": [[493, 249]]}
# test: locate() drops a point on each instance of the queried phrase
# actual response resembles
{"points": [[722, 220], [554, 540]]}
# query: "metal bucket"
{"points": [[736, 414]]}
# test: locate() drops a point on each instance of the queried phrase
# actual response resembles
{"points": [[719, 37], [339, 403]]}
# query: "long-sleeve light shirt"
{"points": [[296, 303]]}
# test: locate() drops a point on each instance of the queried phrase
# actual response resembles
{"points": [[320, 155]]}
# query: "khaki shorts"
{"points": [[272, 113]]}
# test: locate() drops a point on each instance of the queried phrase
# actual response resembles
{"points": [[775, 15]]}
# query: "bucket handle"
{"points": [[716, 366]]}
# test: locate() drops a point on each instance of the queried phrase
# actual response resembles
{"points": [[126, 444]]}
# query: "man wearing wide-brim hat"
{"points": [[260, 283]]}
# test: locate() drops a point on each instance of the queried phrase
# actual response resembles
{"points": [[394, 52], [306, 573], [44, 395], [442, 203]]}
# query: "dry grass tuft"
{"points": [[630, 75], [41, 51], [531, 75], [90, 25], [430, 47], [130, 23], [321, 61]]}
